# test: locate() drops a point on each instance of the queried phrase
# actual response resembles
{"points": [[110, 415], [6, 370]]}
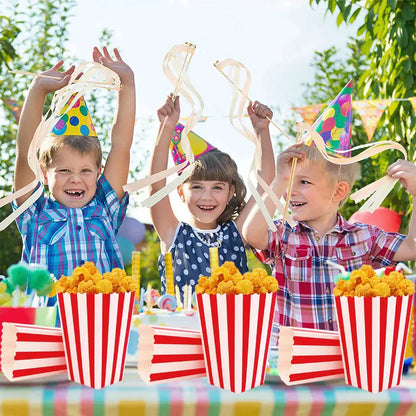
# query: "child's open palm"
{"points": [[52, 79], [117, 65]]}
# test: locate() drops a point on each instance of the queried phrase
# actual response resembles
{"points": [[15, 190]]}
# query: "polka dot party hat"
{"points": [[198, 144], [334, 124], [75, 121]]}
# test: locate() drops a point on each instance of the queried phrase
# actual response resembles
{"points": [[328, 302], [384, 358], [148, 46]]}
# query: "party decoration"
{"points": [[167, 302], [309, 112], [199, 145], [15, 107], [75, 119], [334, 124], [132, 229], [384, 218], [126, 248], [370, 112]]}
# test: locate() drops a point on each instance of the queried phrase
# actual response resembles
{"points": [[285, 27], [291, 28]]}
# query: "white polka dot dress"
{"points": [[190, 252]]}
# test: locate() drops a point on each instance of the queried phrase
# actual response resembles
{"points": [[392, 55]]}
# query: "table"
{"points": [[197, 398]]}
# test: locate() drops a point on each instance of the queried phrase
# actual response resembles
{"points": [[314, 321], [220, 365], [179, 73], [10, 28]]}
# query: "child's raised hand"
{"points": [[260, 116], [284, 161], [170, 111], [49, 82], [405, 171], [117, 65]]}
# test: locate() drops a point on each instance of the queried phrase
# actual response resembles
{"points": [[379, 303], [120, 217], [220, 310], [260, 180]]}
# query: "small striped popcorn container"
{"points": [[95, 329], [235, 337], [31, 351], [373, 333], [309, 355], [168, 354]]}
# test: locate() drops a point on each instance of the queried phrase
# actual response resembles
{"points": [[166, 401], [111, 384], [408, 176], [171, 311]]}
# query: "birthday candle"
{"points": [[185, 297], [135, 270], [213, 258], [170, 288]]}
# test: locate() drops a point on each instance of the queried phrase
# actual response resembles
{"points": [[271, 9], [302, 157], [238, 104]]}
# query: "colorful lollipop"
{"points": [[167, 302], [18, 274]]}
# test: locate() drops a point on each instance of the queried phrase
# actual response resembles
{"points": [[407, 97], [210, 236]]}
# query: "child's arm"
{"points": [[406, 172], [255, 229], [30, 118], [118, 161], [260, 115], [163, 217]]}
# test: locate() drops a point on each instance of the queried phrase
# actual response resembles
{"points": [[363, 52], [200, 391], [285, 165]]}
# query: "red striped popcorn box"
{"points": [[168, 354], [27, 315], [95, 330], [373, 332], [236, 336], [32, 351], [308, 355]]}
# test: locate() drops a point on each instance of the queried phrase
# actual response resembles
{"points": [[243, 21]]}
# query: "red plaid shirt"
{"points": [[298, 259]]}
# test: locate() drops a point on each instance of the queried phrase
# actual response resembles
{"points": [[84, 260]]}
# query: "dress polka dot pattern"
{"points": [[190, 252]]}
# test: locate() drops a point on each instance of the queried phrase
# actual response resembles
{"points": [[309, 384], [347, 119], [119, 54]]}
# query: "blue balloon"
{"points": [[132, 230], [126, 248]]}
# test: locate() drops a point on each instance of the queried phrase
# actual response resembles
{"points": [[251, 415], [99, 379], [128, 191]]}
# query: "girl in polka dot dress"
{"points": [[214, 197], [79, 218]]}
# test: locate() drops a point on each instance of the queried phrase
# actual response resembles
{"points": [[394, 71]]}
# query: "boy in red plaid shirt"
{"points": [[298, 255]]}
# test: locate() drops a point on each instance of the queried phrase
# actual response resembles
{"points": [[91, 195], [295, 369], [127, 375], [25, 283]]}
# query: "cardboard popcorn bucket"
{"points": [[168, 354], [309, 355], [235, 337], [45, 316], [32, 351], [95, 329], [373, 333]]}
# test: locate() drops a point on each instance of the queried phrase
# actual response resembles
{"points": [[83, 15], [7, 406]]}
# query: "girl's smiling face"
{"points": [[206, 201], [72, 177]]}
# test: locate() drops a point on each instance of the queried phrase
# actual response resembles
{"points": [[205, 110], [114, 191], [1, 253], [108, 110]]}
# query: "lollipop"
{"points": [[167, 302], [18, 274], [40, 280]]}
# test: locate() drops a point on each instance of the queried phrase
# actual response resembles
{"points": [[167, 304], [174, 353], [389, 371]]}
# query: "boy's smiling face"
{"points": [[315, 197], [72, 177]]}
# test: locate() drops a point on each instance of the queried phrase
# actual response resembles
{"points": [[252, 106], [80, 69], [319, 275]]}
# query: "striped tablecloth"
{"points": [[197, 398]]}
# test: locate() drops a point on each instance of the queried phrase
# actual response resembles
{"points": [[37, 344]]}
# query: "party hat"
{"points": [[334, 124], [199, 145], [75, 121]]}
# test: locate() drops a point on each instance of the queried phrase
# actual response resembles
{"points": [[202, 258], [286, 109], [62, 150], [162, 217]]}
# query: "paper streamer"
{"points": [[94, 75], [173, 67], [373, 333], [168, 354], [241, 80], [308, 355], [31, 351], [236, 336], [96, 328]]}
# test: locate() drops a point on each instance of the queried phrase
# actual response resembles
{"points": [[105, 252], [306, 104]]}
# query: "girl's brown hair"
{"points": [[219, 166]]}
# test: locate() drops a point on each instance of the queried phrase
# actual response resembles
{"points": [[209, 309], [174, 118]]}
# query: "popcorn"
{"points": [[365, 282], [87, 279], [227, 279]]}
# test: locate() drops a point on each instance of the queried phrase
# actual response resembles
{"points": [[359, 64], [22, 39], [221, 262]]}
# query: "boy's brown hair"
{"points": [[83, 144]]}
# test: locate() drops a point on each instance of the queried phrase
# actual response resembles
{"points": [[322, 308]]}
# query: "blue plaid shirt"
{"points": [[63, 238]]}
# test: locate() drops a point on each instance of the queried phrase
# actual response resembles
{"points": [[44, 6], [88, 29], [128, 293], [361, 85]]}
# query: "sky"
{"points": [[274, 39]]}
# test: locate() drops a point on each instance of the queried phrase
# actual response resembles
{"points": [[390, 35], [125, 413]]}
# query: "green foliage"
{"points": [[148, 260], [388, 39]]}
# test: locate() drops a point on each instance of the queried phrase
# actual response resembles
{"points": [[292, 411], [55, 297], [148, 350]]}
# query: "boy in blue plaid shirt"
{"points": [[80, 218]]}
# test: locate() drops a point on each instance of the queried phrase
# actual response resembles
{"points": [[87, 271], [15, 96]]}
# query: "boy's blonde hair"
{"points": [[83, 144], [337, 173], [219, 166]]}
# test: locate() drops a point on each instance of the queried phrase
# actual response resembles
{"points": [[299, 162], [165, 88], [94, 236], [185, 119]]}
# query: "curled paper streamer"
{"points": [[94, 75], [377, 191], [241, 80], [175, 68]]}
